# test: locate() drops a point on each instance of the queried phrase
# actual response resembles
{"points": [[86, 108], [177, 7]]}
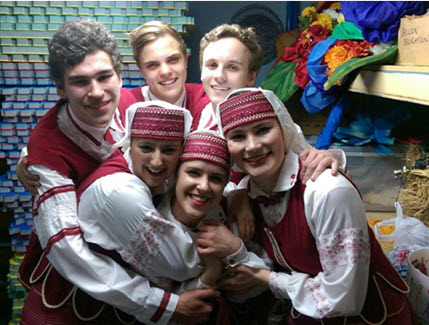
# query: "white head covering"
{"points": [[129, 117], [293, 137]]}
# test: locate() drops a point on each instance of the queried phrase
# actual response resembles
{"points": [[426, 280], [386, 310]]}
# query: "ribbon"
{"points": [[273, 199]]}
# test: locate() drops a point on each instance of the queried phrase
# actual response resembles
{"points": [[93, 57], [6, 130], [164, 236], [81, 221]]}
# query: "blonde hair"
{"points": [[247, 36], [150, 32]]}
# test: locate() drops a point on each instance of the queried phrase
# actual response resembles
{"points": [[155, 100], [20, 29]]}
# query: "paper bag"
{"points": [[413, 40]]}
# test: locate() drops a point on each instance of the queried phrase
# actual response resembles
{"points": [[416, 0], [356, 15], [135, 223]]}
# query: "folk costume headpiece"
{"points": [[208, 146], [250, 105], [158, 123], [155, 120]]}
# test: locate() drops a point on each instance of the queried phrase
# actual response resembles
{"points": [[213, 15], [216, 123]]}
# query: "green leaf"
{"points": [[303, 22], [281, 80]]}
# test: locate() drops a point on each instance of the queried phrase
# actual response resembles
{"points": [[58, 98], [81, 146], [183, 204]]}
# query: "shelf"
{"points": [[405, 83]]}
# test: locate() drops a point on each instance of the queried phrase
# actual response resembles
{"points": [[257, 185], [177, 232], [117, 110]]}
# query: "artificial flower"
{"points": [[332, 13], [324, 20], [309, 12], [335, 57], [343, 51], [309, 38]]}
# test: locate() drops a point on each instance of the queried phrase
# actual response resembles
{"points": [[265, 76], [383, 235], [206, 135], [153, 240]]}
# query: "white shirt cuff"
{"points": [[237, 258]]}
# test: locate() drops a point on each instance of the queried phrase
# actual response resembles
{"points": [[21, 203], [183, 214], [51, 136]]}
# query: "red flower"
{"points": [[310, 37]]}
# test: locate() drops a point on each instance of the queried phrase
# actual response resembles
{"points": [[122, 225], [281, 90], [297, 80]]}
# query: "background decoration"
{"points": [[379, 20], [289, 72], [267, 26]]}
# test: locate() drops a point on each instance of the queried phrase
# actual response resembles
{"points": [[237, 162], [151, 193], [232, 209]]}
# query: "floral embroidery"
{"points": [[345, 247], [320, 296], [272, 213], [146, 242]]}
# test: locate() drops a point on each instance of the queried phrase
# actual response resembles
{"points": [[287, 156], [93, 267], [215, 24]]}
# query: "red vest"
{"points": [[196, 100], [297, 246], [50, 147]]}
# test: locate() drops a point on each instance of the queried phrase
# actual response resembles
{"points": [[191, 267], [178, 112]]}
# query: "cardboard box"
{"points": [[413, 40]]}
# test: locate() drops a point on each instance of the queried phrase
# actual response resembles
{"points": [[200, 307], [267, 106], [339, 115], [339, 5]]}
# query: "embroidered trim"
{"points": [[57, 213], [344, 247], [53, 191], [319, 296], [146, 241], [60, 235], [163, 305]]}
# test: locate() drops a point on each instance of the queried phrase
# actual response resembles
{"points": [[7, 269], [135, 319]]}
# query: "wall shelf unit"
{"points": [[405, 83]]}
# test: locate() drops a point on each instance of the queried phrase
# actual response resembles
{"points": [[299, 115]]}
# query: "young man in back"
{"points": [[161, 55], [230, 58]]}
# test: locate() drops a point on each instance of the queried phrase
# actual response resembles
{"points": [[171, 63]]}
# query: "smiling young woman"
{"points": [[316, 233]]}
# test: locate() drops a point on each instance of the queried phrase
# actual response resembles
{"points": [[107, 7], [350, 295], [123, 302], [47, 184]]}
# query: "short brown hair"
{"points": [[151, 31], [247, 36], [73, 41]]}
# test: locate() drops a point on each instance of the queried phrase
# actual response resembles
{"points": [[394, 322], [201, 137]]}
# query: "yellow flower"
{"points": [[335, 5], [324, 20], [341, 18], [308, 11]]}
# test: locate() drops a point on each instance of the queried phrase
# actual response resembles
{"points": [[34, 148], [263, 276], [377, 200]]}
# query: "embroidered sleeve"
{"points": [[336, 217], [56, 223], [346, 247], [117, 213]]}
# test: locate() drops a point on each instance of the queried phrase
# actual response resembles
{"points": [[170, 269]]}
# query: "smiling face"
{"points": [[225, 68], [92, 88], [163, 66], [154, 160], [199, 188], [258, 149]]}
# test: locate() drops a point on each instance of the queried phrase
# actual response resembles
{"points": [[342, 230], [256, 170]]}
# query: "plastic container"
{"points": [[373, 175]]}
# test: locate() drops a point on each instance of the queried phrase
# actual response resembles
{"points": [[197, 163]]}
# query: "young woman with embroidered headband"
{"points": [[117, 214], [330, 264]]}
